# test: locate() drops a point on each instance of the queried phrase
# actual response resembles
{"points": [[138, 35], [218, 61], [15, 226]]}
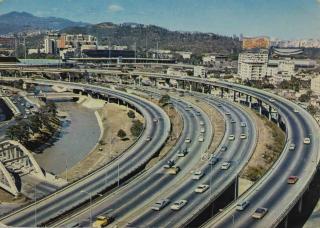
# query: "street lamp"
{"points": [[88, 193], [35, 208]]}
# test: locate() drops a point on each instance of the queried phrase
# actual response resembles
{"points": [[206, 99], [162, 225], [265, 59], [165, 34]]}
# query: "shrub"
{"points": [[136, 128], [131, 114], [122, 134]]}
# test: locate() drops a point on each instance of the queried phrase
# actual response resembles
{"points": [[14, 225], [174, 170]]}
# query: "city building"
{"points": [[199, 71], [255, 43], [184, 54], [176, 72], [253, 65], [213, 59], [50, 45], [315, 84]]}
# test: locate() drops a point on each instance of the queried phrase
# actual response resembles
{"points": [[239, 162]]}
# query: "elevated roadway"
{"points": [[106, 177]]}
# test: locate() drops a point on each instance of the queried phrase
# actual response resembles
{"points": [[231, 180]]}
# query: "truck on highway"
{"points": [[174, 170]]}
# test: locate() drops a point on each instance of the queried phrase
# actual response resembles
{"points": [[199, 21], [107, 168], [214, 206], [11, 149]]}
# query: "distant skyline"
{"points": [[284, 19]]}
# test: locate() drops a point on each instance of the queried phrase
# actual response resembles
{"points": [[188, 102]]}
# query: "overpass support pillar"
{"points": [[300, 205], [236, 188], [120, 81], [222, 92], [190, 86], [260, 107], [234, 96], [250, 102], [270, 112], [202, 88]]}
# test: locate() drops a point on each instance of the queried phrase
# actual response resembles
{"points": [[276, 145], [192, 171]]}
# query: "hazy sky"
{"points": [[286, 19]]}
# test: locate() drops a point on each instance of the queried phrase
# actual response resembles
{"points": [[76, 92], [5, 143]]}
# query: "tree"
{"points": [[131, 114], [304, 98], [122, 134], [164, 99], [136, 128]]}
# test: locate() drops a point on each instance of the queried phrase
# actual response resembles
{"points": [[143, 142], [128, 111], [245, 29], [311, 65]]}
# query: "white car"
{"points": [[197, 175], [231, 137], [243, 136], [178, 205], [295, 110], [228, 113], [225, 165], [292, 146], [233, 121], [202, 130], [201, 138], [201, 123], [271, 100], [306, 141], [242, 205], [201, 188], [148, 138], [243, 124], [160, 204], [188, 140]]}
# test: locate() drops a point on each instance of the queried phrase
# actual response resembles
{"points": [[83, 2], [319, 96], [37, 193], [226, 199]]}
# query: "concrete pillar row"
{"points": [[270, 112]]}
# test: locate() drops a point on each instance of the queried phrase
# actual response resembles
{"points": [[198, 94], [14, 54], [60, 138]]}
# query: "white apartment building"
{"points": [[252, 66], [199, 71], [315, 84], [50, 46]]}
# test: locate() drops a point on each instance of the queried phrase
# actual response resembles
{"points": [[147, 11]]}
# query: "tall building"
{"points": [[315, 85], [253, 66], [199, 71], [50, 46]]}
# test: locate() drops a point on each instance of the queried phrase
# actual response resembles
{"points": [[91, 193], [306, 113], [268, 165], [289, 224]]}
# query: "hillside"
{"points": [[149, 35], [15, 22]]}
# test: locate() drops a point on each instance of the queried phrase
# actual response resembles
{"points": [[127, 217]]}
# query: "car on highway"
{"points": [[201, 188], [225, 165], [174, 170], [231, 137], [233, 121], [271, 100], [202, 130], [243, 136], [292, 179], [201, 123], [243, 124], [219, 105], [228, 113], [102, 221], [242, 205], [198, 113], [169, 164], [295, 110], [259, 213], [160, 204], [155, 120], [149, 138], [197, 175], [188, 140], [213, 160], [201, 138], [223, 148], [292, 146], [306, 141], [182, 153], [178, 205]]}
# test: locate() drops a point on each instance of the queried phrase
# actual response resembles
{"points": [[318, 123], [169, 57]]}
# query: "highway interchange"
{"points": [[279, 198]]}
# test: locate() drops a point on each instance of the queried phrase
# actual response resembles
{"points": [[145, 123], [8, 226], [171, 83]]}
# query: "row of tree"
{"points": [[41, 123]]}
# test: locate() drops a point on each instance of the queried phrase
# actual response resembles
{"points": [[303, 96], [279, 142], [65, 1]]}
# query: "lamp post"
{"points": [[90, 195]]}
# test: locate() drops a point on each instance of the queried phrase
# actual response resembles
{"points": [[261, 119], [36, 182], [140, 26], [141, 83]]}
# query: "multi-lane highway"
{"points": [[147, 187], [73, 195], [273, 192]]}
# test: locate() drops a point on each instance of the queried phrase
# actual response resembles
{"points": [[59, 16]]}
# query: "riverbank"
{"points": [[113, 118]]}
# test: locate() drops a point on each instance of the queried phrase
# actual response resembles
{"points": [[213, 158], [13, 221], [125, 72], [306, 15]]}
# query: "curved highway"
{"points": [[273, 192], [74, 194], [149, 185]]}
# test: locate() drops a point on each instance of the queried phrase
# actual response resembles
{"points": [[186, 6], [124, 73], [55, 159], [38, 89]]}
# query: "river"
{"points": [[80, 133]]}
